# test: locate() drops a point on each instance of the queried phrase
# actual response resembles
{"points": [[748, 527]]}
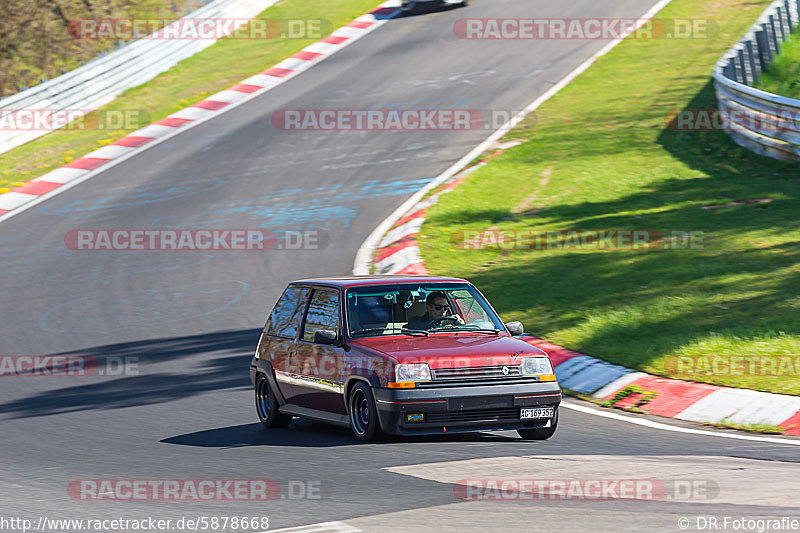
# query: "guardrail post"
{"points": [[769, 52], [770, 43], [774, 44], [751, 58], [740, 64], [734, 69], [792, 21], [779, 14], [798, 12], [763, 48], [787, 18]]}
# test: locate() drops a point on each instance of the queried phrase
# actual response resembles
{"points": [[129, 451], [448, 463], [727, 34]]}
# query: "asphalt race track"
{"points": [[189, 321]]}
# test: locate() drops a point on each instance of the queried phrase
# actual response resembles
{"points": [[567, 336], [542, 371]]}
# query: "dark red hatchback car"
{"points": [[403, 355]]}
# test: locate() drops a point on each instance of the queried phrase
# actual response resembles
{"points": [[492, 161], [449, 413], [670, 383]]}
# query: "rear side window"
{"points": [[323, 313], [284, 321]]}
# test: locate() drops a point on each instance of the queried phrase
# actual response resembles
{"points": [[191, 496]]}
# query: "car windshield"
{"points": [[422, 309]]}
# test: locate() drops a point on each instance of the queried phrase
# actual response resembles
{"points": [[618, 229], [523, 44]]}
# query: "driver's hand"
{"points": [[460, 320]]}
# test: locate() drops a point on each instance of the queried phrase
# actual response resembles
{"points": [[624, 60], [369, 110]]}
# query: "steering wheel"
{"points": [[453, 319]]}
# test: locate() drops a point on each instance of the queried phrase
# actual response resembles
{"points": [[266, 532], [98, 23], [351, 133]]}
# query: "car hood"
{"points": [[452, 351]]}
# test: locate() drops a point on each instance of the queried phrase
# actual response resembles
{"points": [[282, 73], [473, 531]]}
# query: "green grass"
{"points": [[212, 70], [642, 397], [599, 156], [752, 428], [783, 74]]}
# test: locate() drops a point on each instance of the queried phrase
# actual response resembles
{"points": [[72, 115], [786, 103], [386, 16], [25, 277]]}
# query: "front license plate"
{"points": [[537, 412]]}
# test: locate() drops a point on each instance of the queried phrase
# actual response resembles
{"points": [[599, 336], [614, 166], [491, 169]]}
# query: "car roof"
{"points": [[360, 281]]}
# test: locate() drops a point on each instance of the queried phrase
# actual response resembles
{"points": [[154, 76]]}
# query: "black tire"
{"points": [[267, 405], [541, 433], [363, 412]]}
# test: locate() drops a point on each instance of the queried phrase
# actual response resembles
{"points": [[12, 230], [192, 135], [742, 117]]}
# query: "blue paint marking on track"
{"points": [[125, 197], [21, 259], [312, 214], [373, 188], [295, 209], [143, 308]]}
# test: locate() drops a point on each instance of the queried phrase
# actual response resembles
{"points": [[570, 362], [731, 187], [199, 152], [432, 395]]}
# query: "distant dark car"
{"points": [[412, 5], [404, 355]]}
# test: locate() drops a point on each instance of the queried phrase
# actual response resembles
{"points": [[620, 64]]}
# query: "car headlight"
{"points": [[412, 372], [536, 366]]}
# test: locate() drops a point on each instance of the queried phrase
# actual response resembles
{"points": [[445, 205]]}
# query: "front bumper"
{"points": [[459, 409]]}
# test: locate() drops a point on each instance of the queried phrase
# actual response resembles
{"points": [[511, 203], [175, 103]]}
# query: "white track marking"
{"points": [[657, 425], [322, 527]]}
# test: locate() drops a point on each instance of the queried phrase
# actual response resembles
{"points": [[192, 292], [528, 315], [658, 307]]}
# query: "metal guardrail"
{"points": [[99, 81], [764, 122]]}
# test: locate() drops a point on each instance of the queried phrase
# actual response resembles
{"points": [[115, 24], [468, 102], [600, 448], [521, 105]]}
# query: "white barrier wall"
{"points": [[764, 122], [99, 81]]}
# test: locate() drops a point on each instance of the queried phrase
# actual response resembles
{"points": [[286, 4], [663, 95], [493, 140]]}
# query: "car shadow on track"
{"points": [[309, 434], [166, 369], [256, 435], [427, 10]]}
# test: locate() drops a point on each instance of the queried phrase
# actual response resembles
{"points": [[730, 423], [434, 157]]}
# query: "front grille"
{"points": [[474, 415], [478, 372], [475, 382]]}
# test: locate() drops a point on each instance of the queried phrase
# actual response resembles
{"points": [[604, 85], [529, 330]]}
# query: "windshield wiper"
{"points": [[462, 328], [484, 330], [415, 331]]}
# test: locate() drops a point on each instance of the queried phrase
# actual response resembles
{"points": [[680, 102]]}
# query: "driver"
{"points": [[437, 308]]}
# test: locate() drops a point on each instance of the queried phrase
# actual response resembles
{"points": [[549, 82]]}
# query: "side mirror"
{"points": [[515, 328], [325, 336]]}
